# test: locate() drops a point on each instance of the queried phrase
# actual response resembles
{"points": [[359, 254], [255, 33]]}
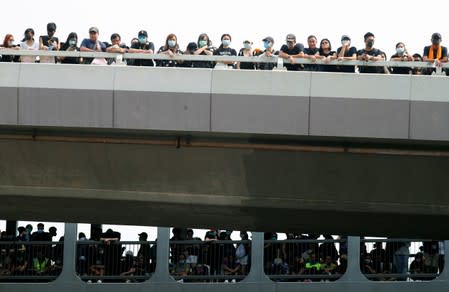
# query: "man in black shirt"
{"points": [[290, 51], [310, 53], [369, 53], [346, 53], [143, 46]]}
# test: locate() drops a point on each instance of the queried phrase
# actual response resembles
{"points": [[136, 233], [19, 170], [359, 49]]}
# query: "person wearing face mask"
{"points": [[246, 51], [142, 46], [71, 45], [225, 49], [269, 52], [435, 53], [204, 48], [9, 43], [290, 51], [171, 48], [49, 43], [346, 53], [401, 55], [370, 54], [28, 43]]}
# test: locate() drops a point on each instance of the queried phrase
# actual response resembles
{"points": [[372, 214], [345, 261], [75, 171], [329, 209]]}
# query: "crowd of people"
{"points": [[300, 257], [434, 53], [30, 254]]}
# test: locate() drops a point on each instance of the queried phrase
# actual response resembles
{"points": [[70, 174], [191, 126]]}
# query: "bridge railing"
{"points": [[401, 259], [119, 57]]}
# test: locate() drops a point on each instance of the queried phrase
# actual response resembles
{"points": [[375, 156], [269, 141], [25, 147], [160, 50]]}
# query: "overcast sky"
{"points": [[391, 21]]}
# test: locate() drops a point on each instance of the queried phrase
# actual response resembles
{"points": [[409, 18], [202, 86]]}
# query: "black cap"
{"points": [[143, 234], [51, 26], [345, 38], [143, 33], [192, 46], [436, 36], [268, 39]]}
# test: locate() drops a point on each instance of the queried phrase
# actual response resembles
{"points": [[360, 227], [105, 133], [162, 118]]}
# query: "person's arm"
{"points": [[41, 44], [84, 48]]}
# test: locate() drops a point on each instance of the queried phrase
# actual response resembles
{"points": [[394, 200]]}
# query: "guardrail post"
{"points": [[444, 275], [256, 273], [162, 257], [68, 275], [353, 273]]}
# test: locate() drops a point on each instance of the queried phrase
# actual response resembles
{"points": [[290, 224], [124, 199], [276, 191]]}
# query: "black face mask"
{"points": [[435, 42], [370, 43], [28, 37]]}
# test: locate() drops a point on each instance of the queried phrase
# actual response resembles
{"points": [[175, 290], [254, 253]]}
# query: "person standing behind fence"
{"points": [[171, 48], [326, 54], [346, 53], [370, 54], [311, 53], [92, 44], [49, 43], [143, 46], [435, 53], [9, 43], [290, 51], [28, 43], [401, 55], [204, 49], [71, 45], [269, 52], [246, 51], [225, 50]]}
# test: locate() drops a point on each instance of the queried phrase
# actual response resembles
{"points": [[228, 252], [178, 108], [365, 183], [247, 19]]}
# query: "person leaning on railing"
{"points": [[71, 45], [401, 55], [171, 48], [9, 43], [346, 53], [371, 54], [435, 53]]}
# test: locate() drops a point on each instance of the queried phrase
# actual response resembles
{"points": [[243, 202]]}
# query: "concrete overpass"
{"points": [[301, 151]]}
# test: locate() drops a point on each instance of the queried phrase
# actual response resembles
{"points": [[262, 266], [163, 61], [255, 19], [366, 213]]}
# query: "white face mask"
{"points": [[247, 46], [11, 43], [345, 43], [400, 50], [171, 43]]}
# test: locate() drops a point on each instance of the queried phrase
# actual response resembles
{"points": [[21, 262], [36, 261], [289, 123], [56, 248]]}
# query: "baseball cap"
{"points": [[291, 37], [143, 33], [269, 39], [345, 38], [436, 36], [93, 29], [143, 234], [51, 26]]}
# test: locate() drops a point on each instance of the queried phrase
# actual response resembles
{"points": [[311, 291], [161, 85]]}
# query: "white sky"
{"points": [[390, 21]]}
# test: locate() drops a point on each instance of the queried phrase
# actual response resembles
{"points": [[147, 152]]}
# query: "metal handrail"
{"points": [[254, 59]]}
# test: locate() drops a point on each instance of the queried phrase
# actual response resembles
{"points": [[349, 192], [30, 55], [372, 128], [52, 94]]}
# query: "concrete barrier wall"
{"points": [[231, 101]]}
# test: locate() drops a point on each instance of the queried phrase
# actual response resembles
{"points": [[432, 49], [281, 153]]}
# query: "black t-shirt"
{"points": [[225, 52], [51, 43], [327, 68], [246, 65], [348, 53], [70, 60], [371, 69], [297, 48], [311, 52], [399, 70], [142, 62], [9, 58], [168, 63]]}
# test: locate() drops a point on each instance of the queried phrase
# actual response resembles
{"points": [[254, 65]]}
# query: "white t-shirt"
{"points": [[25, 46]]}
